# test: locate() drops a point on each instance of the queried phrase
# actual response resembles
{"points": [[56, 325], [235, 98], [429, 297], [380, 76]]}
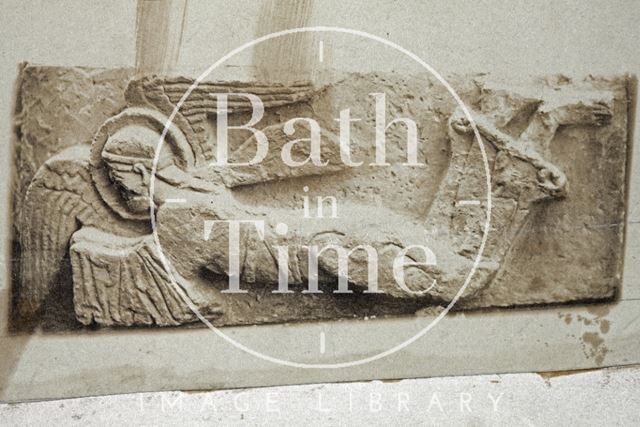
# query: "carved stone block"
{"points": [[556, 158]]}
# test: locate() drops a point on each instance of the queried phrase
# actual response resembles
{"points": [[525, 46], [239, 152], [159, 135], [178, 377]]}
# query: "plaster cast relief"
{"points": [[556, 151]]}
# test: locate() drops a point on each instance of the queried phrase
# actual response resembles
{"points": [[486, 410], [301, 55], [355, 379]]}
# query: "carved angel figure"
{"points": [[91, 204]]}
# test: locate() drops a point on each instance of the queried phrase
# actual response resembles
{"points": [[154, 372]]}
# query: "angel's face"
{"points": [[129, 155]]}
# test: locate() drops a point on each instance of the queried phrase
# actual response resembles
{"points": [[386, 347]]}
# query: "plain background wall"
{"points": [[513, 36]]}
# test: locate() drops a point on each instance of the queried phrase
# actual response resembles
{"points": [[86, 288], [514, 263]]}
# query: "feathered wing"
{"points": [[60, 198], [165, 93]]}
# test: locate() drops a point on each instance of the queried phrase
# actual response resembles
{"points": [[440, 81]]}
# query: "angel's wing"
{"points": [[165, 93], [59, 200]]}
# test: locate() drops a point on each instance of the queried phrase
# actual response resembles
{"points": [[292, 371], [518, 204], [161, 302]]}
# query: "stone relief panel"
{"points": [[93, 246]]}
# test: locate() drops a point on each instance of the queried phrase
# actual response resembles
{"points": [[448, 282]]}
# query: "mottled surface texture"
{"points": [[85, 139], [507, 399]]}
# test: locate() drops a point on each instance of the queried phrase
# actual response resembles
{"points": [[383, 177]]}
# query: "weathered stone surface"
{"points": [[123, 282], [556, 150], [57, 108]]}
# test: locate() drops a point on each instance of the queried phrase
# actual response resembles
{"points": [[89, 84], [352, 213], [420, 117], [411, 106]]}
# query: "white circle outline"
{"points": [[167, 265]]}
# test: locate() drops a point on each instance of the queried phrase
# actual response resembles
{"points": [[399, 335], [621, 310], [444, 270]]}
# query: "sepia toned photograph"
{"points": [[319, 212]]}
